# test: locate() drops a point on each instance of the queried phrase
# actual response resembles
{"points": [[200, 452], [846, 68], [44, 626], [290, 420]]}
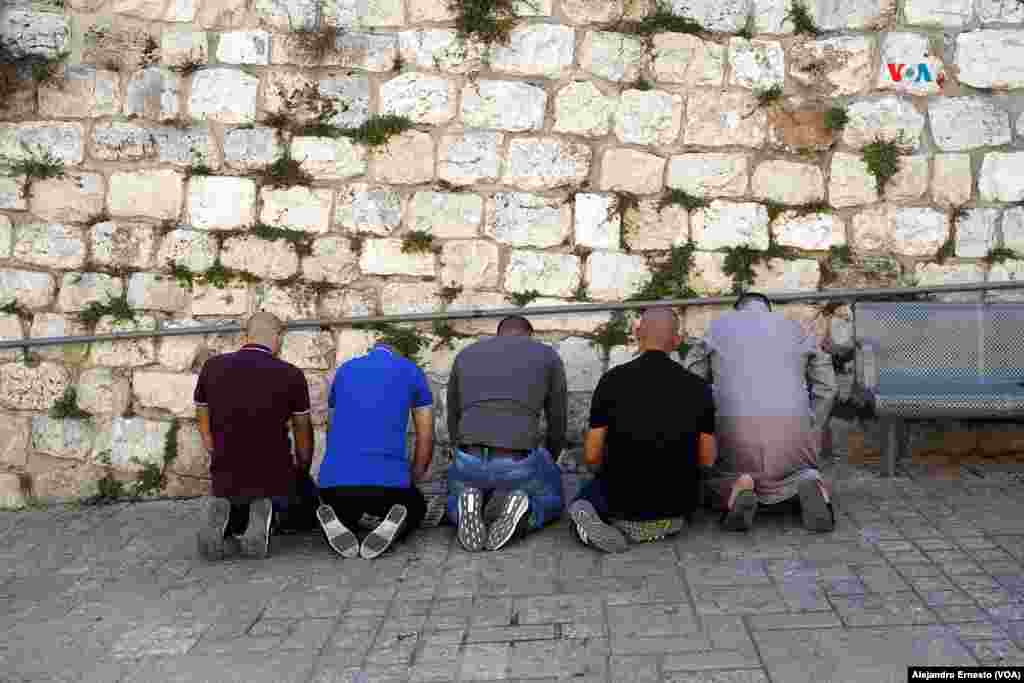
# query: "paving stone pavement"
{"points": [[918, 571]]}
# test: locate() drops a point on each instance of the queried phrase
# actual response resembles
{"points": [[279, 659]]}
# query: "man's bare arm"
{"points": [[423, 423], [302, 429], [203, 415], [593, 446]]}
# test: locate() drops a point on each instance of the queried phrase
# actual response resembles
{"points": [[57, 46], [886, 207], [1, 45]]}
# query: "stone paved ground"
{"points": [[919, 571]]}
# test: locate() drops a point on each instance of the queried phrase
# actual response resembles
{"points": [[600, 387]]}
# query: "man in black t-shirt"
{"points": [[657, 422]]}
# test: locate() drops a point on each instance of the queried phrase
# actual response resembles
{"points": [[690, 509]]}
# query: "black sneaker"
{"points": [[817, 514], [381, 538], [512, 520], [255, 542], [741, 516], [472, 531], [210, 537], [341, 540], [591, 529]]}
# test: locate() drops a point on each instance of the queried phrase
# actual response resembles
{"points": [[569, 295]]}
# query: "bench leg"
{"points": [[893, 434]]}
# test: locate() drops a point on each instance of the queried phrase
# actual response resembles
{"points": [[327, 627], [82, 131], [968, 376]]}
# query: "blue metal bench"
{"points": [[936, 360]]}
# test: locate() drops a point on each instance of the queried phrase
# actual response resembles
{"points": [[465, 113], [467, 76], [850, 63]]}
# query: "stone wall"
{"points": [[539, 165]]}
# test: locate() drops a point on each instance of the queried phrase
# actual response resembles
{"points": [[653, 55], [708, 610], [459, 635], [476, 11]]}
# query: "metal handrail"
{"points": [[846, 295]]}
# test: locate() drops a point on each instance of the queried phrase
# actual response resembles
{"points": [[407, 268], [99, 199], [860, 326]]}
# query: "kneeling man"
{"points": [[657, 422], [366, 469]]}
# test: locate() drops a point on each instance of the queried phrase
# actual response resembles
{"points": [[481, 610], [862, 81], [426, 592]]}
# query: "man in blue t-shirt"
{"points": [[365, 469]]}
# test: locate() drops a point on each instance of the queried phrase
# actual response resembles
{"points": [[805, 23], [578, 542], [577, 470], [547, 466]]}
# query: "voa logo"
{"points": [[914, 73]]}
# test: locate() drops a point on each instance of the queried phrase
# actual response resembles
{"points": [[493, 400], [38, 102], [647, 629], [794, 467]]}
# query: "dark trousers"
{"points": [[595, 492], [350, 503], [294, 512]]}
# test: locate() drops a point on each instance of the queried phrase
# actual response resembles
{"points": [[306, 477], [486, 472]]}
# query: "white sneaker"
{"points": [[341, 540]]}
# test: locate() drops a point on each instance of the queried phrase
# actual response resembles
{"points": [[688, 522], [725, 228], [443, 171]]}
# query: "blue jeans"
{"points": [[536, 475]]}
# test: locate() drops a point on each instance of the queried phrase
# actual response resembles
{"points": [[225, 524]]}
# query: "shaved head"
{"points": [[265, 329], [658, 330], [515, 325]]}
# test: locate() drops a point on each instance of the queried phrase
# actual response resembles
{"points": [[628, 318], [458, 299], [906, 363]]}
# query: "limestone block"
{"points": [[84, 92], [788, 183], [976, 232], [470, 157], [406, 160], [221, 203], [813, 232], [346, 303], [439, 365], [799, 130], [730, 224], [248, 149], [182, 353], [563, 322], [930, 274], [74, 198], [991, 58], [888, 118], [473, 264], [78, 290], [1007, 271], [999, 12], [64, 141], [154, 194], [63, 438], [686, 59], [911, 182], [834, 66], [192, 457], [781, 275], [708, 275], [849, 183], [296, 14], [329, 159], [184, 46], [133, 442], [50, 245], [446, 214], [397, 298], [1002, 177], [224, 95], [583, 12], [244, 47], [719, 118], [298, 208], [582, 109], [612, 56], [698, 318], [952, 180], [370, 51], [545, 163], [367, 208], [597, 223], [117, 141], [26, 33], [756, 64], [429, 10], [385, 257], [630, 170], [583, 363], [421, 97], [614, 277], [1013, 229], [332, 260], [440, 49], [12, 193], [505, 105], [649, 226], [469, 300], [122, 244], [10, 330], [372, 13], [709, 175], [650, 117], [32, 388], [527, 220], [286, 302], [910, 50], [536, 50], [186, 146], [6, 237], [550, 274], [213, 300], [152, 93], [30, 290], [153, 292], [963, 123], [351, 343], [308, 349], [275, 260], [861, 14], [944, 13], [907, 231], [14, 440], [727, 17], [55, 325], [196, 251]]}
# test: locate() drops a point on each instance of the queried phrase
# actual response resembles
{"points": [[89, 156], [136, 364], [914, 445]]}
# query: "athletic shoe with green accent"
{"points": [[591, 529]]}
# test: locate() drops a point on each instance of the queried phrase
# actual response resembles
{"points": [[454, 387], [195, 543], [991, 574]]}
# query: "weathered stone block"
{"points": [[834, 66], [977, 232], [565, 322], [6, 237], [788, 183], [907, 231], [132, 442], [332, 260], [813, 232], [536, 50], [522, 219], [613, 277], [727, 17], [192, 460], [12, 193], [505, 105], [345, 303], [471, 301], [430, 10], [649, 226], [716, 118], [74, 198], [928, 274], [50, 245], [962, 123], [221, 203], [612, 56], [440, 49], [32, 388], [298, 208], [244, 47], [397, 298], [756, 64], [169, 391], [952, 180], [366, 208], [583, 363], [1013, 229], [248, 149], [211, 300], [446, 214], [63, 438], [991, 58], [308, 349], [686, 59], [1002, 177], [78, 290], [408, 159], [295, 302], [944, 13], [351, 343], [272, 260], [26, 33], [863, 14], [849, 183], [330, 159], [184, 46], [582, 109], [998, 12], [918, 71], [153, 94], [194, 250], [1007, 271], [709, 175], [630, 170], [708, 274], [780, 275], [153, 194], [123, 142], [799, 130], [122, 244], [473, 264], [583, 12], [31, 290], [385, 257], [84, 92], [597, 222], [64, 141], [546, 163], [550, 274], [185, 147], [14, 440], [56, 325], [889, 118], [730, 224], [373, 13], [224, 95], [10, 330], [649, 117], [370, 51], [153, 292], [911, 182], [472, 157], [182, 353], [421, 97]]}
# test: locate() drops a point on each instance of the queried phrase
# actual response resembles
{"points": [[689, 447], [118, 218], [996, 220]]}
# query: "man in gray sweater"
{"points": [[496, 392]]}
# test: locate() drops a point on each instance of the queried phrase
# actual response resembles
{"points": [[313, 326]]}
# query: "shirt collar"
{"points": [[256, 347], [381, 346]]}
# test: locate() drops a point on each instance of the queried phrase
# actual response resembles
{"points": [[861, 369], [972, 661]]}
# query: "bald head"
{"points": [[658, 330], [265, 329]]}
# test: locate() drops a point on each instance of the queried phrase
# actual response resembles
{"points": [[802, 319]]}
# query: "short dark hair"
{"points": [[517, 323], [747, 296]]}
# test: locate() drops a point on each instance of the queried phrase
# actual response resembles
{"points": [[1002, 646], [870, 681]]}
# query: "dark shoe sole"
{"points": [[592, 530], [472, 532], [381, 538], [741, 516], [255, 542], [339, 538], [504, 528], [817, 514], [210, 538]]}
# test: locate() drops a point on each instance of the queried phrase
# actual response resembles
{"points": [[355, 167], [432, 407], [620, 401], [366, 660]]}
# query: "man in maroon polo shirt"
{"points": [[245, 401]]}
